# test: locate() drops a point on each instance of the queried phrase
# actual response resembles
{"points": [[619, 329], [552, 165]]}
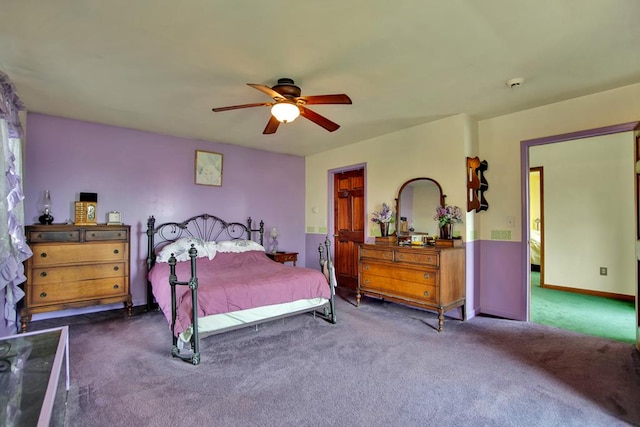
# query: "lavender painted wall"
{"points": [[313, 241], [501, 276], [142, 174]]}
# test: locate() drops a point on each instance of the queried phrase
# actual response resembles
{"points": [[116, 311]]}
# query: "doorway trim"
{"points": [[540, 171], [525, 188]]}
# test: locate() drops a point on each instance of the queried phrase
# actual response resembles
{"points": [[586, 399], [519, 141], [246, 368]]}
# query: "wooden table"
{"points": [[283, 257]]}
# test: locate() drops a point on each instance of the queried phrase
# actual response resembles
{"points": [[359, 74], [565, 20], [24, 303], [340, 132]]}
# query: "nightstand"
{"points": [[283, 257]]}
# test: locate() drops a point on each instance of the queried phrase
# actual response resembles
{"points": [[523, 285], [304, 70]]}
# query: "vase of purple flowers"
{"points": [[446, 217], [384, 218]]}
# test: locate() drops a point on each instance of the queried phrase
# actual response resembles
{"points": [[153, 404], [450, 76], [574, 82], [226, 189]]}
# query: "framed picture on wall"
{"points": [[208, 168]]}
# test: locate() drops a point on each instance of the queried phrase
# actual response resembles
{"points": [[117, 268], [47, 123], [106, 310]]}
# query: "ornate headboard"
{"points": [[204, 226]]}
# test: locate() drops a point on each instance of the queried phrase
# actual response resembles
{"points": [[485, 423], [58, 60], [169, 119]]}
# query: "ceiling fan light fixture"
{"points": [[285, 112]]}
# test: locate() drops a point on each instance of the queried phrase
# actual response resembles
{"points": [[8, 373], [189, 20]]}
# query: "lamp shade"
{"points": [[285, 112]]}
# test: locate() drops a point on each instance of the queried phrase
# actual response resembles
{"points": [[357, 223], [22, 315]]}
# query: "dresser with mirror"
{"points": [[416, 269]]}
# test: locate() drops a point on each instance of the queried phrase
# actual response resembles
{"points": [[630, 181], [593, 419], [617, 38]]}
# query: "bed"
{"points": [[535, 249], [209, 276]]}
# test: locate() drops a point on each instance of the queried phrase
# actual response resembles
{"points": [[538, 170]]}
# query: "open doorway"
{"points": [[584, 256]]}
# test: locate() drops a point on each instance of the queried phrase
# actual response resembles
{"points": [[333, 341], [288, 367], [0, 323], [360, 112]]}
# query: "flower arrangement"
{"points": [[384, 216], [448, 215]]}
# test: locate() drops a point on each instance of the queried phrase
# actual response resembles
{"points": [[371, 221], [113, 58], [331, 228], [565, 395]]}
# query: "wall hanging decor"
{"points": [[208, 168], [476, 184]]}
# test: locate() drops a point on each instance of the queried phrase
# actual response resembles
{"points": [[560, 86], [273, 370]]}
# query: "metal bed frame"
{"points": [[211, 228]]}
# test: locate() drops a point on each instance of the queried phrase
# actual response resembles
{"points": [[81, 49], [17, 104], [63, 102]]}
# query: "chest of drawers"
{"points": [[75, 266], [425, 277]]}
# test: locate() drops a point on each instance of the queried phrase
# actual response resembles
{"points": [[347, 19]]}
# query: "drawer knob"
{"points": [[43, 274], [43, 295], [427, 294], [366, 266], [430, 259], [93, 234], [116, 268], [43, 255], [400, 256], [115, 251], [115, 286], [366, 281], [426, 275]]}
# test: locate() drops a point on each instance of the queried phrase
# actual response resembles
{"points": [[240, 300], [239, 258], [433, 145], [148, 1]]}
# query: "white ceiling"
{"points": [[160, 66]]}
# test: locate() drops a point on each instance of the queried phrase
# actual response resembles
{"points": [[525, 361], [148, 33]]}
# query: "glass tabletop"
{"points": [[34, 378]]}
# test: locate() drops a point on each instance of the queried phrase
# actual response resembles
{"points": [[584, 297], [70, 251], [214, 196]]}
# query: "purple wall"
{"points": [[142, 174], [501, 276]]}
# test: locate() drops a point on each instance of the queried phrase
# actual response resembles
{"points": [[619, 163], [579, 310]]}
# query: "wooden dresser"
{"points": [[75, 266], [426, 277]]}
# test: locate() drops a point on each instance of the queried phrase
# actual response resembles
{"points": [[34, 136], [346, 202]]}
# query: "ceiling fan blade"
{"points": [[272, 126], [237, 107], [318, 119], [326, 99], [267, 90]]}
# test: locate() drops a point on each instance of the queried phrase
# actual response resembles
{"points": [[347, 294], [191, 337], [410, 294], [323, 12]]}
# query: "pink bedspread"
{"points": [[235, 281]]}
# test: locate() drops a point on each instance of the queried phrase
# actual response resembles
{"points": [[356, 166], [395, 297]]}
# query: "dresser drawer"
{"points": [[56, 293], [425, 276], [80, 253], [399, 288], [418, 258], [376, 254], [53, 236], [101, 235], [46, 275]]}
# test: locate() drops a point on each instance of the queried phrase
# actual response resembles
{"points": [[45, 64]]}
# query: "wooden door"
{"points": [[349, 222]]}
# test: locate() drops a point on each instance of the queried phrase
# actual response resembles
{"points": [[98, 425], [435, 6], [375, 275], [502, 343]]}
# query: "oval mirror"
{"points": [[416, 205]]}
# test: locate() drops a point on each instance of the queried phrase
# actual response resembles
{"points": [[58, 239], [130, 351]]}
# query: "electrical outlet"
{"points": [[603, 271]]}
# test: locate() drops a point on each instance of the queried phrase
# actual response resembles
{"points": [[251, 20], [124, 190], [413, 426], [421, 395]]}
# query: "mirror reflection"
{"points": [[416, 207]]}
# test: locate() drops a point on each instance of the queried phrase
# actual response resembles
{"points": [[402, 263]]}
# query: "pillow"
{"points": [[239, 246], [180, 249]]}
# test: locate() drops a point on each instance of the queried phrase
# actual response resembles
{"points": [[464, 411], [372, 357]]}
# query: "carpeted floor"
{"points": [[382, 365], [587, 314]]}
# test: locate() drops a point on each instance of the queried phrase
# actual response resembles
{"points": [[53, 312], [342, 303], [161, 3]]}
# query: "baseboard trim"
{"points": [[621, 297]]}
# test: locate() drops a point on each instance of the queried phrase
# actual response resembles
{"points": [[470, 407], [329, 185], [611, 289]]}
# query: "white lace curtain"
{"points": [[13, 247]]}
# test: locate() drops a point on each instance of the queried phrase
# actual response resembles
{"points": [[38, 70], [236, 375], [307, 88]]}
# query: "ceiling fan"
{"points": [[288, 104]]}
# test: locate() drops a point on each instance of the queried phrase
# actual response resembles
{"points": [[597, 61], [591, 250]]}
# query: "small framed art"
{"points": [[208, 168]]}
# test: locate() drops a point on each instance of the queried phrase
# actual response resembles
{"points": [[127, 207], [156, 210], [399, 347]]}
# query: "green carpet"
{"points": [[587, 314]]}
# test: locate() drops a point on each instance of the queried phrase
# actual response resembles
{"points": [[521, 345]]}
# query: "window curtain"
{"points": [[13, 248]]}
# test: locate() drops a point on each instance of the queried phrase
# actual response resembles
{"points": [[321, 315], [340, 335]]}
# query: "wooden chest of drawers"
{"points": [[426, 277], [75, 266]]}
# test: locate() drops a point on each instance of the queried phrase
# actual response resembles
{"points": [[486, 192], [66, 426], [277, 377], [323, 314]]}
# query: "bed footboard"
{"points": [[194, 356], [326, 264]]}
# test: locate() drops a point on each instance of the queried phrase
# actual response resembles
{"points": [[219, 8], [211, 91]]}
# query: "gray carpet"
{"points": [[381, 365]]}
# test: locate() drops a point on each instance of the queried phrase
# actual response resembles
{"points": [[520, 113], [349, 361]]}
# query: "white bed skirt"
{"points": [[217, 323]]}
